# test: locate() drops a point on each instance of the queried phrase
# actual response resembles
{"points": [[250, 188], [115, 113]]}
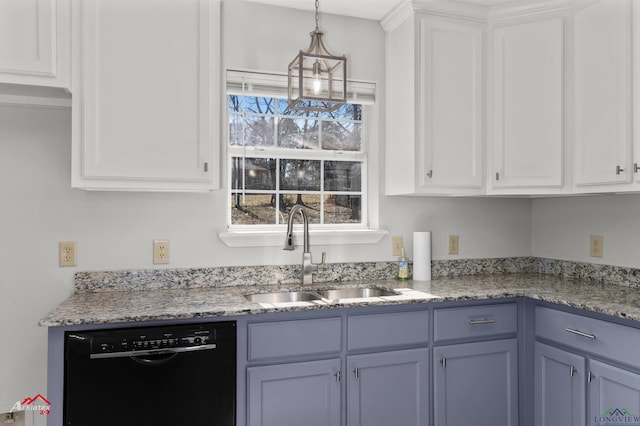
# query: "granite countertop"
{"points": [[182, 303]]}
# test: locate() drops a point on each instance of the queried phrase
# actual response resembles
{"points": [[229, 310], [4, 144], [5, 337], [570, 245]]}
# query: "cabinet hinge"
{"points": [[498, 176], [206, 167]]}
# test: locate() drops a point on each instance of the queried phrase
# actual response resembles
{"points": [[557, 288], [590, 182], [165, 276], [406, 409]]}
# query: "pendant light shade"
{"points": [[317, 78]]}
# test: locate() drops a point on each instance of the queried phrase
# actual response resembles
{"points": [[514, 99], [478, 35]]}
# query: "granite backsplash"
{"points": [[335, 272]]}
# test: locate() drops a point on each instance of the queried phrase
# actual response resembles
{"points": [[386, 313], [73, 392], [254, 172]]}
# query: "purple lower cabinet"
{"points": [[294, 394], [559, 387], [614, 395], [388, 388], [476, 384]]}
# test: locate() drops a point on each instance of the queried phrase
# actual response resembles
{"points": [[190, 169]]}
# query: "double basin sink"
{"points": [[329, 295]]}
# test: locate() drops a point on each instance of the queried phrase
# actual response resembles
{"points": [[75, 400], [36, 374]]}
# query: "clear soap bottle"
{"points": [[403, 266]]}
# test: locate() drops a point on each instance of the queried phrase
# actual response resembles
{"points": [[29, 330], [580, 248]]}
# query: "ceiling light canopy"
{"points": [[317, 78]]}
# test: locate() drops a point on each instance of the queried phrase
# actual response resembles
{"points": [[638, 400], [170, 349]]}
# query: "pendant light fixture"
{"points": [[317, 78]]}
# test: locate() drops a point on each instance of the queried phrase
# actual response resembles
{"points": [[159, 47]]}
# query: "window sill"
{"points": [[274, 239]]}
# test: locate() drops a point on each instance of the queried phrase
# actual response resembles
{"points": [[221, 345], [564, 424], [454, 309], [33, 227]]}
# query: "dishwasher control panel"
{"points": [[151, 338]]}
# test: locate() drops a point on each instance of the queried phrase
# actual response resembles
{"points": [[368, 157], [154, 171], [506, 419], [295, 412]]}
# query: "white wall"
{"points": [[562, 227], [114, 230]]}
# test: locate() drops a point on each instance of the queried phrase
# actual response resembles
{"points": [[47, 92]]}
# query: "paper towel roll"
{"points": [[422, 256]]}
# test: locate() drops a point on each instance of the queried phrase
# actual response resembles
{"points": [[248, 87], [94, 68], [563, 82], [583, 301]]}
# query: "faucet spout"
{"points": [[288, 242], [308, 267]]}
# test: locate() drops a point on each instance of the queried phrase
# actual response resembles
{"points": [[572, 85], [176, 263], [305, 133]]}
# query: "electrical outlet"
{"points": [[67, 253], [595, 246], [396, 245], [454, 244], [160, 252]]}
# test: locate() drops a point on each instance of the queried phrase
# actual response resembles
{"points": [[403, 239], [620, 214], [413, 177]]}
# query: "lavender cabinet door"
{"points": [[294, 394], [388, 388], [614, 395], [559, 387], [476, 384]]}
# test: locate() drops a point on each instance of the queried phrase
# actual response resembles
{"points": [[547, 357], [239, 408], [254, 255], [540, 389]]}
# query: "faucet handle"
{"points": [[320, 265]]}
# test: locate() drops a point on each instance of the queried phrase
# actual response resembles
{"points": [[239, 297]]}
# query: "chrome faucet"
{"points": [[308, 267]]}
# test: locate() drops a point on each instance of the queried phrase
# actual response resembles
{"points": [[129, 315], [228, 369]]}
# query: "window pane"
{"points": [[299, 175], [298, 133], [259, 130], [235, 103], [341, 135], [259, 105], [258, 173], [346, 112], [310, 202], [235, 129], [253, 209], [342, 176], [342, 209], [283, 108]]}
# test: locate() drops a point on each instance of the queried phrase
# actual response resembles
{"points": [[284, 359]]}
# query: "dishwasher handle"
{"points": [[161, 351]]}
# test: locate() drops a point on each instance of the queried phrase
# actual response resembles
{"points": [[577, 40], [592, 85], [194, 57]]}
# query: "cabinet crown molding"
{"points": [[471, 11]]}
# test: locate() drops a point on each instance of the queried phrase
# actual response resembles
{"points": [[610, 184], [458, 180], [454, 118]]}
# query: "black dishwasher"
{"points": [[161, 376]]}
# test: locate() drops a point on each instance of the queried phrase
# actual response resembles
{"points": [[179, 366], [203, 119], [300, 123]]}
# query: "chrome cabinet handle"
{"points": [[356, 373], [581, 333], [572, 370], [338, 376], [481, 321]]}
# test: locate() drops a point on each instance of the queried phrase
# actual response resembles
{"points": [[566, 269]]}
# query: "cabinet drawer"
{"points": [[294, 338], [614, 341], [401, 328], [475, 321]]}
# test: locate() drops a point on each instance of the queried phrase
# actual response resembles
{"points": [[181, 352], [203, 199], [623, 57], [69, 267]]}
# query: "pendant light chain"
{"points": [[317, 14]]}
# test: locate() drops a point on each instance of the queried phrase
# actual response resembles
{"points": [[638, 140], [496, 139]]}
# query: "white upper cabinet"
{"points": [[602, 95], [34, 42], [636, 90], [562, 86], [146, 95], [434, 107], [450, 140], [526, 142]]}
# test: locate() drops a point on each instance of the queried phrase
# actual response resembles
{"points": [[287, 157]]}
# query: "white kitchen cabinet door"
{"points": [[146, 99], [527, 86], [450, 145], [636, 89], [34, 43], [602, 95], [435, 123]]}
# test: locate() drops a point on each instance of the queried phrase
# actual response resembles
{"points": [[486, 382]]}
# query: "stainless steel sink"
{"points": [[328, 294], [355, 293], [280, 297]]}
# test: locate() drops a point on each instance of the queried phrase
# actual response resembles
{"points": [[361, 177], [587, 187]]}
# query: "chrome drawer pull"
{"points": [[481, 321], [580, 333]]}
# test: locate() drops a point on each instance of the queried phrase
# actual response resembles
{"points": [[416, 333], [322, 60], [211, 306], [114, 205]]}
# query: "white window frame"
{"points": [[249, 83]]}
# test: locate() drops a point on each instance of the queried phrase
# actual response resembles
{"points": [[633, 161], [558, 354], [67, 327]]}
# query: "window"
{"points": [[280, 157]]}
